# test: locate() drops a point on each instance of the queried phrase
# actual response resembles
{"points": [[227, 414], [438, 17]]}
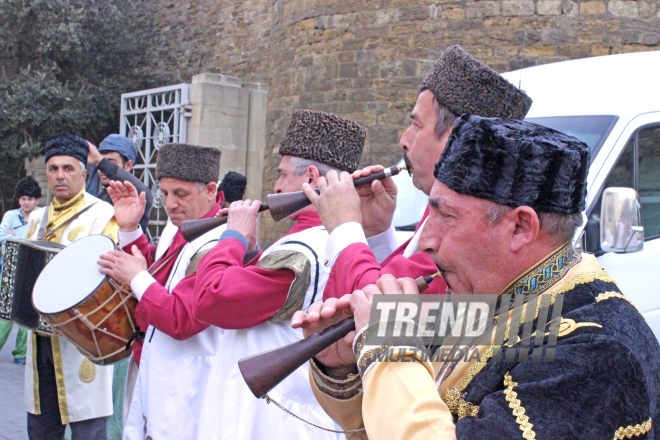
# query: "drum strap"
{"points": [[43, 235], [158, 265]]}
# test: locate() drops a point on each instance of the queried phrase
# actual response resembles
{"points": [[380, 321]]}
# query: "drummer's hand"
{"points": [[10, 232], [129, 206], [377, 202], [338, 201], [338, 359], [122, 267], [243, 215]]}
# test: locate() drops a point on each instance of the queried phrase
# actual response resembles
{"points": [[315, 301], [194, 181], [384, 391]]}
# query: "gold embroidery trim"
{"points": [[608, 295], [586, 278], [568, 326], [37, 403], [467, 409], [59, 379], [518, 410], [87, 371], [636, 430]]}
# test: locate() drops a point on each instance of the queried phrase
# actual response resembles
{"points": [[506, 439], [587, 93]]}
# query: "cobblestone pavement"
{"points": [[13, 417]]}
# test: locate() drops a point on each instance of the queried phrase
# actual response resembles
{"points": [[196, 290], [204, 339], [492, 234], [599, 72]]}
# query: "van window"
{"points": [[592, 130], [648, 178], [638, 167]]}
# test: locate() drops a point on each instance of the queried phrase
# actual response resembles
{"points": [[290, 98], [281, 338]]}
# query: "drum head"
{"points": [[72, 275]]}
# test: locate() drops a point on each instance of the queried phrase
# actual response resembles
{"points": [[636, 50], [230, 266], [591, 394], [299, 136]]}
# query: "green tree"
{"points": [[64, 66]]}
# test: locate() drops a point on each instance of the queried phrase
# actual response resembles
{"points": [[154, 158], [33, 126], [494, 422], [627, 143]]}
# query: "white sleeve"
{"points": [[141, 283], [383, 244], [126, 238], [342, 237]]}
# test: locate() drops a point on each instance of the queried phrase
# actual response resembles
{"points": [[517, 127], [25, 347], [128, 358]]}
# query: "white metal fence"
{"points": [[152, 118]]}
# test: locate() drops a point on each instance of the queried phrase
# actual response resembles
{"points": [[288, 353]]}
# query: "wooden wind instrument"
{"points": [[264, 371], [280, 205]]}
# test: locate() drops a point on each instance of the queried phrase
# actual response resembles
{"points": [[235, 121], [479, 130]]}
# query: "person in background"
{"points": [[14, 224], [113, 160], [233, 186]]}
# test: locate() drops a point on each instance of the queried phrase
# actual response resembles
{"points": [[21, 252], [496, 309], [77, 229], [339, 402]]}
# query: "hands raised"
{"points": [[129, 206]]}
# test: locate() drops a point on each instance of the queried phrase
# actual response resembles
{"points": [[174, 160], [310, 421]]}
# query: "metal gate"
{"points": [[152, 118]]}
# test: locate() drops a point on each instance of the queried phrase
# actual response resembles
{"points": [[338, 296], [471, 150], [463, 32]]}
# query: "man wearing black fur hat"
{"points": [[506, 203], [61, 385], [14, 224], [363, 244], [233, 187]]}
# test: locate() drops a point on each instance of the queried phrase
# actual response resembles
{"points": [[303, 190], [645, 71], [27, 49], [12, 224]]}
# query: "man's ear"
{"points": [[312, 174], [211, 188], [527, 227], [128, 165]]}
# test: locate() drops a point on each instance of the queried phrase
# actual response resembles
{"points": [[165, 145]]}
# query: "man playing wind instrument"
{"points": [[506, 202]]}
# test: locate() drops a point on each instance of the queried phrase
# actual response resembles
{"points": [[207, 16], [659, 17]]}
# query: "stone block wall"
{"points": [[364, 59]]}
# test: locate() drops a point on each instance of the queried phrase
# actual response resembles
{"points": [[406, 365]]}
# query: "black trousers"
{"points": [[48, 425]]}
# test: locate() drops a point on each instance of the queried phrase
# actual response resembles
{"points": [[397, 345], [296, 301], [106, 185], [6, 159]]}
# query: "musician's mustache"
{"points": [[409, 166]]}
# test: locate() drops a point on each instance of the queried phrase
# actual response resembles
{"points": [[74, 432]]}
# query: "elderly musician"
{"points": [[362, 244], [178, 350], [506, 203], [254, 304], [61, 385]]}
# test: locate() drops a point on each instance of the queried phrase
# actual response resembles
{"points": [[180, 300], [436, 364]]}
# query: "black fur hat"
{"points": [[325, 138], [191, 163], [27, 186], [233, 186], [464, 85], [515, 163], [67, 145]]}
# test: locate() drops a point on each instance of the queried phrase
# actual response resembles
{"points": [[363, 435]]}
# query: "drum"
{"points": [[91, 310], [24, 261]]}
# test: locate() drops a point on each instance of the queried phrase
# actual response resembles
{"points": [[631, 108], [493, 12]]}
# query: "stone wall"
{"points": [[364, 59]]}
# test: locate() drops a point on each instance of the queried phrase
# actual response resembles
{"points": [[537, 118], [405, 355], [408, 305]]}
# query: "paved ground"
{"points": [[13, 418]]}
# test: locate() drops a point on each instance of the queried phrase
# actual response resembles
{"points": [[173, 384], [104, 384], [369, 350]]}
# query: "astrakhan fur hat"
{"points": [[67, 145], [325, 138], [515, 163], [464, 85], [191, 163], [27, 186]]}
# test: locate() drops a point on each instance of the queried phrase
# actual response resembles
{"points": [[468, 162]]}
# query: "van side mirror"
{"points": [[621, 228]]}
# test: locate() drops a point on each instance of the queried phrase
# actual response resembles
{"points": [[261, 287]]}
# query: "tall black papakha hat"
{"points": [[191, 163], [233, 186], [27, 186], [515, 163], [67, 145], [464, 85], [325, 138]]}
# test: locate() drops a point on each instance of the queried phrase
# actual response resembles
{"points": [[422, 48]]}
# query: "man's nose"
{"points": [[404, 142]]}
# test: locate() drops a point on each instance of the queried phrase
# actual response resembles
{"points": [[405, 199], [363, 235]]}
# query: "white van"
{"points": [[612, 103]]}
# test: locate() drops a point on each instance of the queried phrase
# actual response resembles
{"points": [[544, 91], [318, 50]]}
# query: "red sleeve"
{"points": [[171, 313], [356, 267], [143, 245], [231, 296]]}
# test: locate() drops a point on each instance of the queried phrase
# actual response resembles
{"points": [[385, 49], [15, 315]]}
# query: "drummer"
{"points": [[61, 385], [176, 346]]}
